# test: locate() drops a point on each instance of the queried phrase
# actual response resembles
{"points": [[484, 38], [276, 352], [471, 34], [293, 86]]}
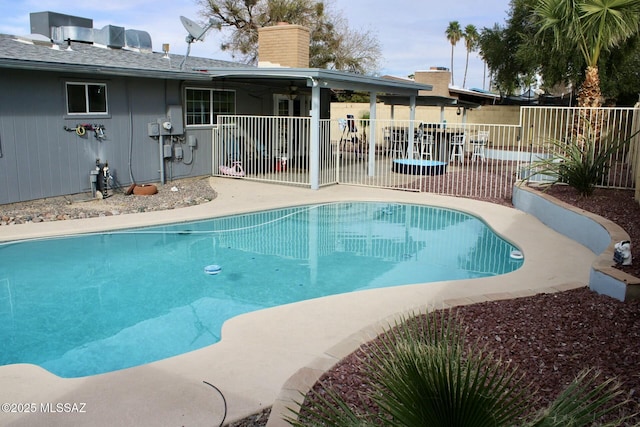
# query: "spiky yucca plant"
{"points": [[583, 162], [422, 373]]}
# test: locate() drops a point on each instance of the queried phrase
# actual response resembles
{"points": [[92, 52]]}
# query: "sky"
{"points": [[411, 32]]}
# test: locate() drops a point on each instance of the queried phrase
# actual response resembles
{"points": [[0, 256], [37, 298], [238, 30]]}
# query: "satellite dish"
{"points": [[196, 32]]}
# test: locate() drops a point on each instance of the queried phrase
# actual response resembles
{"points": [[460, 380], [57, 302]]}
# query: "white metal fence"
{"points": [[470, 160], [544, 128]]}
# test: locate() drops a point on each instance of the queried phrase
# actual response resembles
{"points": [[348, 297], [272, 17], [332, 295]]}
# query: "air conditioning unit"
{"points": [[42, 22], [75, 34], [137, 39], [110, 35]]}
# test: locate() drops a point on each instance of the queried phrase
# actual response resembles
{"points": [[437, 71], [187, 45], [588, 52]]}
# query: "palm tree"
{"points": [[471, 37], [454, 34], [591, 26]]}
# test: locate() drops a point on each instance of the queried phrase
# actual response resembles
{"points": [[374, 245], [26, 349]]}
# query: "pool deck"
{"points": [[262, 351]]}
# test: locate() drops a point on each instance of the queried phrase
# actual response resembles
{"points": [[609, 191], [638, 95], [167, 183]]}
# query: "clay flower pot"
{"points": [[145, 190]]}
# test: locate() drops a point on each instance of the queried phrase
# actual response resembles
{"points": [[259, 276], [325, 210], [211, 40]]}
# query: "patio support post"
{"points": [[314, 143], [372, 133], [411, 133]]}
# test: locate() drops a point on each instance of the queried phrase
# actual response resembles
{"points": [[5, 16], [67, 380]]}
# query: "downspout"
{"points": [[130, 113]]}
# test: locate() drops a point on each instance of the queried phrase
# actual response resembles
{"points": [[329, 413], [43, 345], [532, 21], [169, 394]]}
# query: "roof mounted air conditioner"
{"points": [[137, 39], [43, 22], [74, 34], [110, 36]]}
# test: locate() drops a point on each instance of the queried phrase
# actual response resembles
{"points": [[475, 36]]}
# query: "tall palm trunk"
{"points": [[589, 94], [466, 68], [589, 97], [452, 83]]}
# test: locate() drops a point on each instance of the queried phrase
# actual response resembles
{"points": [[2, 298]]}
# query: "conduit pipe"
{"points": [[161, 151]]}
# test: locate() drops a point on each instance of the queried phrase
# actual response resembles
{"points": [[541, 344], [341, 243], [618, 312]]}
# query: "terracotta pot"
{"points": [[145, 190]]}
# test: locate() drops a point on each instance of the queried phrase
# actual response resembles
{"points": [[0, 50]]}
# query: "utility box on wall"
{"points": [[153, 129], [167, 151], [174, 115]]}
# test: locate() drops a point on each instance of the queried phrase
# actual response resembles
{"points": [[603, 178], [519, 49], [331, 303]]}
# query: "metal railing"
{"points": [[262, 148], [461, 159], [469, 160], [546, 129]]}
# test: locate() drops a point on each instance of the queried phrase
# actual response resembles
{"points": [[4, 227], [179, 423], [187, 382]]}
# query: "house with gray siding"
{"points": [[74, 99]]}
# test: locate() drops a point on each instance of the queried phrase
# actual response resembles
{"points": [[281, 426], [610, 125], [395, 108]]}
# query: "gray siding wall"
{"points": [[39, 159]]}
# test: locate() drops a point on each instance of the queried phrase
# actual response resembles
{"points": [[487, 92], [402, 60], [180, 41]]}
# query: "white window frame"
{"points": [[212, 113]]}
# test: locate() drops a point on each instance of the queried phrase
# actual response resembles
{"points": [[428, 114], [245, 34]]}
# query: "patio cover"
{"points": [[317, 79]]}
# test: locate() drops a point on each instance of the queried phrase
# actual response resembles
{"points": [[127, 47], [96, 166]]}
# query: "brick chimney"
{"points": [[438, 77], [283, 45]]}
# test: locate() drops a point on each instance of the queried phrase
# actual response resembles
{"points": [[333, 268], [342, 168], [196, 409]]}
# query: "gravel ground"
{"points": [[549, 337], [172, 195]]}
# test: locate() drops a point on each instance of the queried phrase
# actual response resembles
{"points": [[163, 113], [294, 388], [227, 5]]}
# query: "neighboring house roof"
{"points": [[427, 100], [475, 95], [431, 101], [35, 54]]}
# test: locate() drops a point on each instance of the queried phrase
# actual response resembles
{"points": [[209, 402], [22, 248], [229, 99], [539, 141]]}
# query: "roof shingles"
{"points": [[17, 52]]}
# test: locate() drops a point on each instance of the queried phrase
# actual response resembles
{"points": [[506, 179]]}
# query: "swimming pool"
{"points": [[89, 304]]}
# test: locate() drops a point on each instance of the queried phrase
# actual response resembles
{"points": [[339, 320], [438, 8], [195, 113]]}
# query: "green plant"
{"points": [[593, 27], [422, 373], [582, 162]]}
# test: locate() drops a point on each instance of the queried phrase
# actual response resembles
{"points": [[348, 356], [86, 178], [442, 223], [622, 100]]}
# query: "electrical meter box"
{"points": [[174, 116], [153, 129]]}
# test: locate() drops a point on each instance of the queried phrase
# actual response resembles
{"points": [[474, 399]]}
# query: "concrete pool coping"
{"points": [[259, 352]]}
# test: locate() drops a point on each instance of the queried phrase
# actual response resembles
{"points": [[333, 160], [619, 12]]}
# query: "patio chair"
{"points": [[425, 145], [349, 136], [479, 144], [457, 147], [398, 142]]}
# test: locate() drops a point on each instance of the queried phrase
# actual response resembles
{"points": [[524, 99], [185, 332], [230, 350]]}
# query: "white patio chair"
{"points": [[426, 146], [397, 142], [457, 143], [424, 149], [479, 144]]}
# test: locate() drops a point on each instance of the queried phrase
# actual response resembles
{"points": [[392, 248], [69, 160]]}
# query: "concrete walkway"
{"points": [[260, 351]]}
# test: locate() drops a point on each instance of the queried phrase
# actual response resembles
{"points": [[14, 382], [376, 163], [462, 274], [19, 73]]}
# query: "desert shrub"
{"points": [[422, 373], [581, 162]]}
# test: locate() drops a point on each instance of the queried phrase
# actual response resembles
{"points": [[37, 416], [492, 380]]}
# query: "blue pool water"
{"points": [[84, 305]]}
